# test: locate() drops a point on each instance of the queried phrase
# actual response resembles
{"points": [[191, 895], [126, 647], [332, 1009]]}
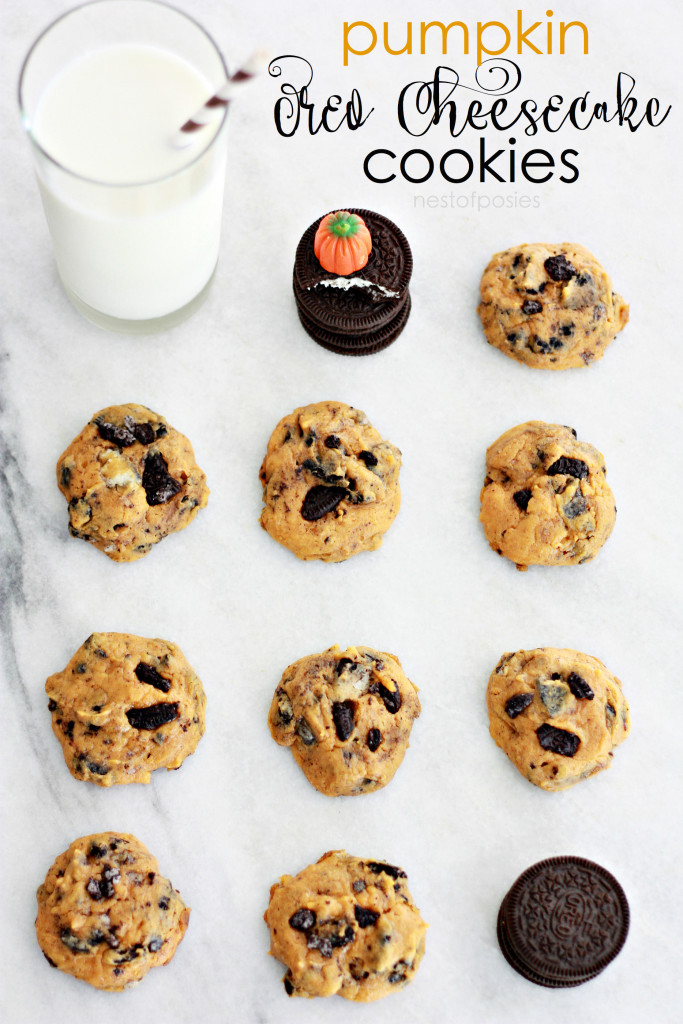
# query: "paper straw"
{"points": [[210, 112]]}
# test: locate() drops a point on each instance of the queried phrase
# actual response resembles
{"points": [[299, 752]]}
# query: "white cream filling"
{"points": [[117, 470], [355, 282]]}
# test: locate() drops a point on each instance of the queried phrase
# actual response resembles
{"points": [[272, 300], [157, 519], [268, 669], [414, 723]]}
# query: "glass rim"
{"points": [[96, 181]]}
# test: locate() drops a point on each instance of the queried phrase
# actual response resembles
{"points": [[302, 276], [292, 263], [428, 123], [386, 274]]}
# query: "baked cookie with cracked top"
{"points": [[347, 716], [558, 714], [330, 483], [550, 306], [125, 706], [545, 499], [106, 915], [345, 926], [130, 479]]}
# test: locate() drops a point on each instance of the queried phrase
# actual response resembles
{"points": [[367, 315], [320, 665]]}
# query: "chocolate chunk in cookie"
{"points": [[108, 717], [320, 500], [574, 318], [341, 927], [347, 716], [329, 501], [545, 500], [106, 915], [557, 713], [130, 480]]}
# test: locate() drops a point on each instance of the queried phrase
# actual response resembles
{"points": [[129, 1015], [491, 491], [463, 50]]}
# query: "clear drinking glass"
{"points": [[136, 250]]}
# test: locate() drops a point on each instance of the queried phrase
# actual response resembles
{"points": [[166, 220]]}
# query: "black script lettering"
{"points": [[626, 105], [294, 103], [423, 104]]}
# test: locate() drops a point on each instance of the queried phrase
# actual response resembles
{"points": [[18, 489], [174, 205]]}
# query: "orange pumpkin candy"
{"points": [[342, 243]]}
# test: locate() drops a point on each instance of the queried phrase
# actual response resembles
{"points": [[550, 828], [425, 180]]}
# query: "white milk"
{"points": [[136, 222]]}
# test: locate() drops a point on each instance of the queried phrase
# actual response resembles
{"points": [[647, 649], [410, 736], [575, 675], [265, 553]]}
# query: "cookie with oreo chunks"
{"points": [[558, 714], [345, 926], [130, 480], [351, 281], [125, 706], [545, 499], [346, 716], [563, 921], [550, 306], [106, 915], [330, 483]]}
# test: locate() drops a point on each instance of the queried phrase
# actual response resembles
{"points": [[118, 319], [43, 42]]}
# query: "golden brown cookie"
{"points": [[345, 926], [106, 915], [550, 306], [130, 479], [545, 499], [125, 706], [557, 714], [347, 716], [330, 483]]}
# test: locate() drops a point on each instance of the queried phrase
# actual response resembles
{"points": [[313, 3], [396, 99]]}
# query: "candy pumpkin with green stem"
{"points": [[342, 243]]}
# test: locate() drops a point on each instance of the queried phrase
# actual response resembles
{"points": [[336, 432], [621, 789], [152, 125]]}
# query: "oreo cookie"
{"points": [[563, 921], [361, 312]]}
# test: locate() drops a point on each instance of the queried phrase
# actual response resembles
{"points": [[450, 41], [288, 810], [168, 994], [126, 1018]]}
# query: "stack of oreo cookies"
{"points": [[362, 312], [563, 921]]}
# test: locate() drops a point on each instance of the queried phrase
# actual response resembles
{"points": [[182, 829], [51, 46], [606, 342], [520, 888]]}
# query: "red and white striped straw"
{"points": [[213, 108]]}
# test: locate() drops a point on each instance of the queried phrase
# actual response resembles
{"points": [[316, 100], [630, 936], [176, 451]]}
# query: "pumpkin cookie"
{"points": [[557, 714], [330, 483], [550, 306], [130, 479], [545, 499], [106, 915], [351, 278], [125, 706], [347, 716], [346, 927]]}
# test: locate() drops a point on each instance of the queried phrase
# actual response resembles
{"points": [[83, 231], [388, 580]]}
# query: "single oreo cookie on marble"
{"points": [[563, 921], [357, 312]]}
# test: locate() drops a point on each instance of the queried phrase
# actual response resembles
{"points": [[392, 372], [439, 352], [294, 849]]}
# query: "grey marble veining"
{"points": [[457, 816]]}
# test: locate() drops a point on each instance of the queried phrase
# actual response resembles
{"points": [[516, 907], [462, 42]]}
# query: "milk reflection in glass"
{"points": [[110, 117]]}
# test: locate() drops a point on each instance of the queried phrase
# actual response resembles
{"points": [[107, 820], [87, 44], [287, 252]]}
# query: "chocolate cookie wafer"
{"points": [[563, 921], [361, 312]]}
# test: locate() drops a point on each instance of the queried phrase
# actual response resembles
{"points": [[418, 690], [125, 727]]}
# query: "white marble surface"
{"points": [[457, 816]]}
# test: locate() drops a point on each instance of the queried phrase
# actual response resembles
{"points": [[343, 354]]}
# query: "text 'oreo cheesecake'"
{"points": [[351, 279]]}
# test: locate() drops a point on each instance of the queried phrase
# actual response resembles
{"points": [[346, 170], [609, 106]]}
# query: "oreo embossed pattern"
{"points": [[563, 921], [359, 312]]}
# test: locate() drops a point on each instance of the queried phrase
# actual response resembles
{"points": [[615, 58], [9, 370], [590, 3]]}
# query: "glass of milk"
{"points": [[135, 220]]}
